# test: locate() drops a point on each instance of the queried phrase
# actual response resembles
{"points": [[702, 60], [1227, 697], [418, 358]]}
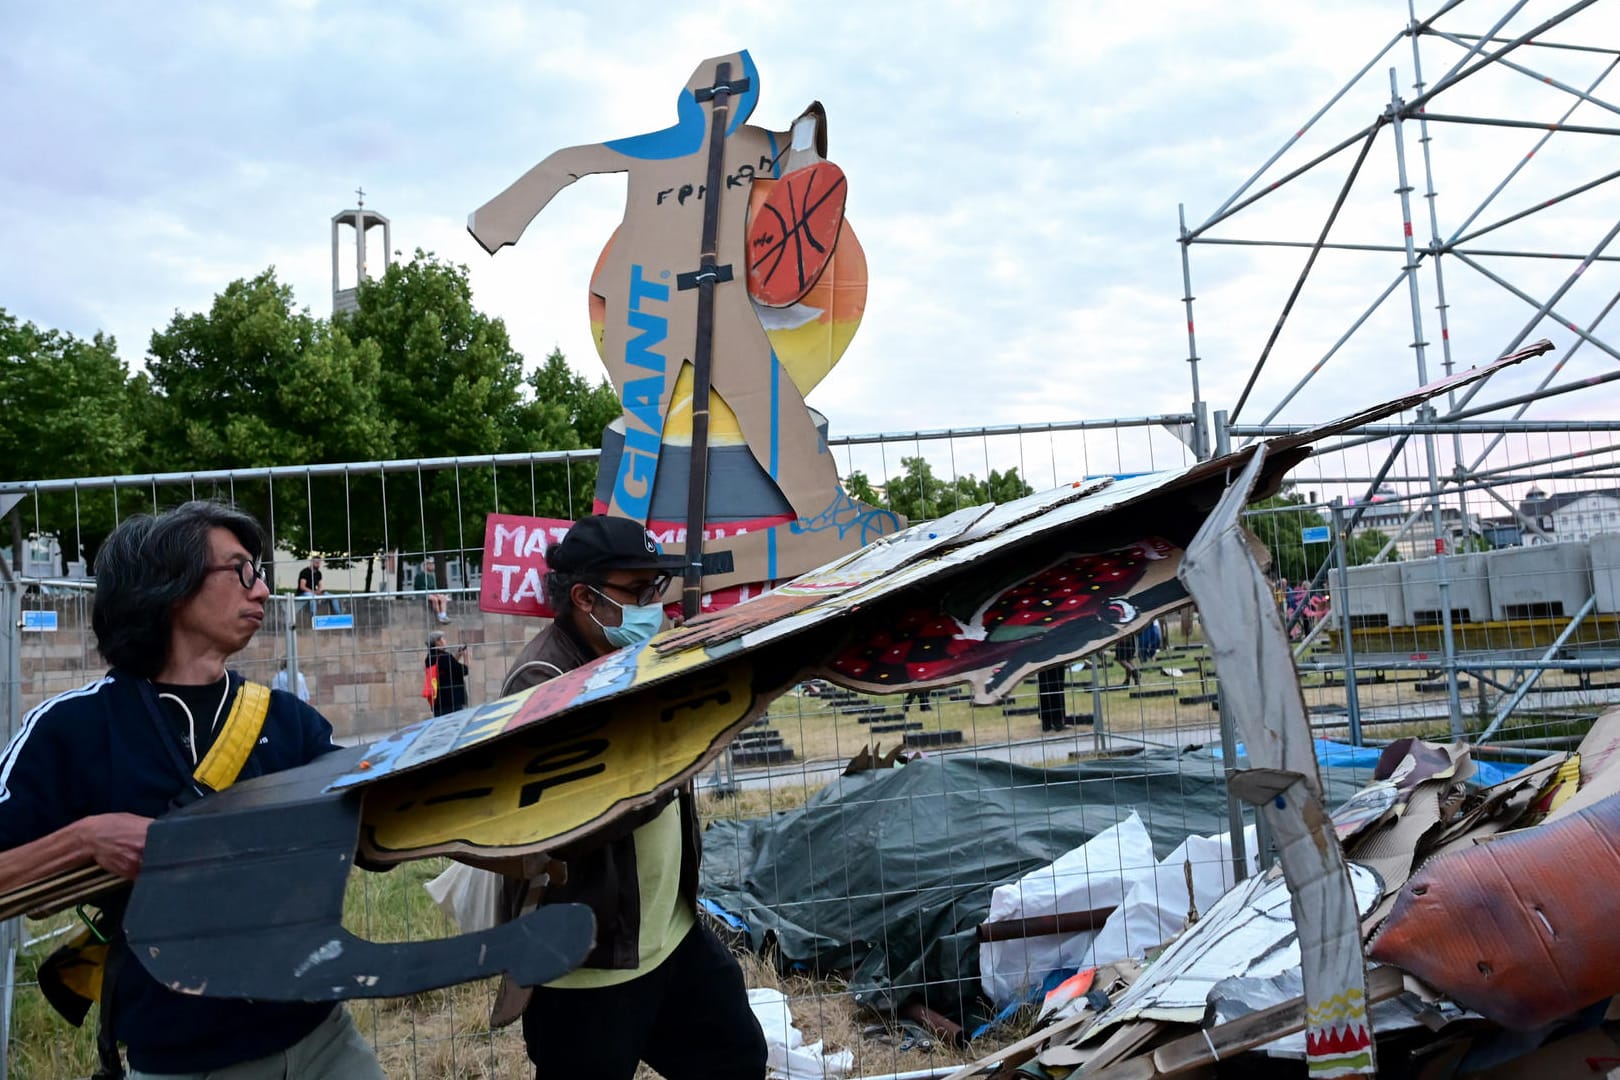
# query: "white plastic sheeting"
{"points": [[787, 1054], [1114, 869]]}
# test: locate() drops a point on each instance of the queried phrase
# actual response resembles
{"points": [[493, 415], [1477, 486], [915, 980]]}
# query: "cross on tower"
{"points": [[360, 195]]}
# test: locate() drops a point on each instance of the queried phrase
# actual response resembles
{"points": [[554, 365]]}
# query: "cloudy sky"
{"points": [[1015, 172]]}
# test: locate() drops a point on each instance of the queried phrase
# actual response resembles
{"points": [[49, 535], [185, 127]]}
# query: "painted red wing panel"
{"points": [[793, 234]]}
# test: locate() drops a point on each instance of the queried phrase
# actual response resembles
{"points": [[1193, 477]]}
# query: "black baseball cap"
{"points": [[600, 542]]}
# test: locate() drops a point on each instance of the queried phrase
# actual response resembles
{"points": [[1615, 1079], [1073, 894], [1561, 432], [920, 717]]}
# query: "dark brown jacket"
{"points": [[601, 870]]}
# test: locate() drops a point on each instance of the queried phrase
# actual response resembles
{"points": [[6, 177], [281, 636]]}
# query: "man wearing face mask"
{"points": [[658, 987]]}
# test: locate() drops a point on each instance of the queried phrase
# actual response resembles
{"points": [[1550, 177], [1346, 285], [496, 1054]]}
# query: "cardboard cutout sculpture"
{"points": [[671, 301], [565, 759]]}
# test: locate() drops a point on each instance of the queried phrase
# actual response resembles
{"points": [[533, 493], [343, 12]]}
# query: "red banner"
{"points": [[515, 569], [515, 563]]}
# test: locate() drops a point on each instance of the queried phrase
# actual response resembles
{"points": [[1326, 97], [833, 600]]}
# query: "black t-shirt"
{"points": [[208, 709], [309, 579]]}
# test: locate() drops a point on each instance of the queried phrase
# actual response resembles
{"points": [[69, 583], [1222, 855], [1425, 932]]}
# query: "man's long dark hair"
{"points": [[147, 566]]}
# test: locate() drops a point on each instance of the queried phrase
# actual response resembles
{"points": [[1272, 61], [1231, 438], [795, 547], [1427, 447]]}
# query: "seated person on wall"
{"points": [[438, 602], [177, 595], [309, 585], [659, 987]]}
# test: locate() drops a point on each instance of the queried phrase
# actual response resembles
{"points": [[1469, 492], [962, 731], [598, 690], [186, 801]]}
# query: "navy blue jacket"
{"points": [[99, 750]]}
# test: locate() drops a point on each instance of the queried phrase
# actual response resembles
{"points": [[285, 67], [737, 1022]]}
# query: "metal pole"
{"points": [[1234, 806], [1201, 431], [708, 279], [291, 608], [1099, 722], [1341, 612], [1535, 673], [1396, 109], [1223, 437], [11, 671], [1429, 196]]}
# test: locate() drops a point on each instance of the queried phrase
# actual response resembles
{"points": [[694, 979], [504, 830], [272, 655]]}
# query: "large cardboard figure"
{"points": [[672, 287]]}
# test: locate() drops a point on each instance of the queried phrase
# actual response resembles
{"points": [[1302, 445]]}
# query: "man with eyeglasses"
{"points": [[659, 987], [177, 595]]}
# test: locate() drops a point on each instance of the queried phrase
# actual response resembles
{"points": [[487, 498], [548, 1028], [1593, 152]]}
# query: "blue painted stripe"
{"points": [[682, 140], [742, 107], [776, 161], [776, 386], [770, 554]]}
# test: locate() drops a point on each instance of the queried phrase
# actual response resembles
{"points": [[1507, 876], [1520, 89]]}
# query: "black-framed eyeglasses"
{"points": [[650, 593], [248, 573]]}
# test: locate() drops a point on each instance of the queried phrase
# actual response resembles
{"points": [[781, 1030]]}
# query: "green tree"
{"points": [[921, 496], [451, 384], [255, 382], [1279, 522], [565, 412], [71, 409]]}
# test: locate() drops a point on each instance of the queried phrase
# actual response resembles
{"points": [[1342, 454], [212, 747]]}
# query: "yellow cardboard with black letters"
{"points": [[561, 780]]}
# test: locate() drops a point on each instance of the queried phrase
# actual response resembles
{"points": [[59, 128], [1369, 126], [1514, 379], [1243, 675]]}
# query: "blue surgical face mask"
{"points": [[637, 622]]}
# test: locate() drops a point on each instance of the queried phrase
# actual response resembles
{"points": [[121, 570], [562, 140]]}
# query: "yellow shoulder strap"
{"points": [[224, 760]]}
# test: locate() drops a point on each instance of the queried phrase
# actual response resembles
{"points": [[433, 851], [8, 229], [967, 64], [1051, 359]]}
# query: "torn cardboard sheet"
{"points": [[1260, 688], [1249, 932]]}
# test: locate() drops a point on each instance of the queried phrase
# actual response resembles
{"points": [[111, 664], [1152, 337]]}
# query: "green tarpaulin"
{"points": [[884, 876]]}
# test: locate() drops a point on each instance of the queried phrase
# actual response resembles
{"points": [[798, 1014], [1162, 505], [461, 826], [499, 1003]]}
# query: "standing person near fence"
{"points": [[659, 987], [282, 682], [451, 669], [177, 595]]}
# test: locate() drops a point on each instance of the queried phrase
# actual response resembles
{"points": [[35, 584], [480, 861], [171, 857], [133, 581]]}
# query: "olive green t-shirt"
{"points": [[665, 918]]}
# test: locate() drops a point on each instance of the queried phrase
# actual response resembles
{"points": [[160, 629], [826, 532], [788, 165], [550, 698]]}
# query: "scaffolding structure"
{"points": [[1493, 255]]}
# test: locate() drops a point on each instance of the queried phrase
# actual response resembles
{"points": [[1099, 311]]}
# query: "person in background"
{"points": [[177, 595], [280, 682], [437, 602], [309, 584], [659, 987], [452, 674]]}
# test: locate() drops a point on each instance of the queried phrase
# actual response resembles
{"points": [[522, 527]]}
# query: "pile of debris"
{"points": [[1484, 909]]}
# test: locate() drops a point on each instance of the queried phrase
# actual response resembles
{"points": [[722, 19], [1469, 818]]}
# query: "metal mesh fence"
{"points": [[1527, 599]]}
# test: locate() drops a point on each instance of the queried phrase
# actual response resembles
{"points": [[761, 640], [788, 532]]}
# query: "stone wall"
{"points": [[367, 681]]}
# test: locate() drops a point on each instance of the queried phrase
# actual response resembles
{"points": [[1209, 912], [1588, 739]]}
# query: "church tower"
{"points": [[361, 221]]}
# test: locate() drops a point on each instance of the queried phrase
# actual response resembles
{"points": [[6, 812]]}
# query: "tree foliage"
{"points": [[254, 381], [1279, 523], [565, 412], [921, 496], [70, 409], [416, 372]]}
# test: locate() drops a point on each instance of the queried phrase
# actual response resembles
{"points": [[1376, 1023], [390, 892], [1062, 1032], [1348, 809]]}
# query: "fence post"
{"points": [[1352, 699], [11, 674]]}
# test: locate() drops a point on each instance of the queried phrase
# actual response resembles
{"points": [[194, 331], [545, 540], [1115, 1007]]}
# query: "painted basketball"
{"points": [[791, 235]]}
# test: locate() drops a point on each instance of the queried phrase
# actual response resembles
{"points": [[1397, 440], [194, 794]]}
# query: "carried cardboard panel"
{"points": [[993, 639], [566, 780], [781, 635], [241, 895]]}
